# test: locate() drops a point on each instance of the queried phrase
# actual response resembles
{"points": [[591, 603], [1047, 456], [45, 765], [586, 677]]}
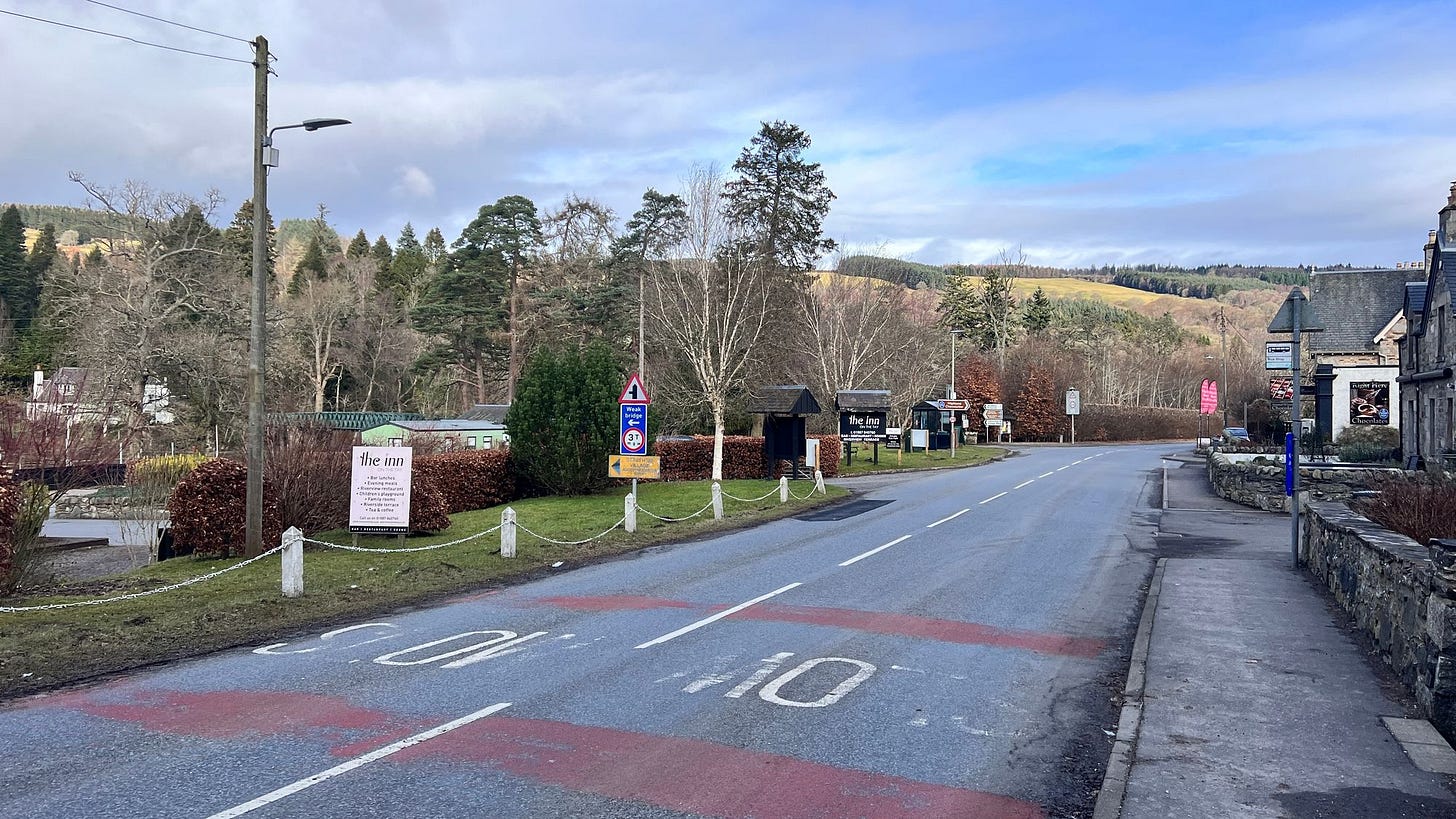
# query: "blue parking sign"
{"points": [[634, 429]]}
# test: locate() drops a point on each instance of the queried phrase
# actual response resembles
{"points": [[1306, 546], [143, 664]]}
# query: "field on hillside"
{"points": [[1059, 289]]}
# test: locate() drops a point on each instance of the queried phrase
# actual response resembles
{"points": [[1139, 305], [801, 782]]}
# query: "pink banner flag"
{"points": [[1208, 404]]}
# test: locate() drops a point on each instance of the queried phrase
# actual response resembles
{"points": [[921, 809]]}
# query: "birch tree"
{"points": [[708, 307]]}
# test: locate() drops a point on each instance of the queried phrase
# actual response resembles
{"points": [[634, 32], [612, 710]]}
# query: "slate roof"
{"points": [[1443, 265], [495, 413], [793, 399], [864, 400], [352, 421], [1415, 298], [55, 392], [1355, 305]]}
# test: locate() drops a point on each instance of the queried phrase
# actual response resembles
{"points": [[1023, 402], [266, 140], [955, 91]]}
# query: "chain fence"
{"points": [[620, 522], [675, 520], [456, 542], [134, 595], [767, 494]]}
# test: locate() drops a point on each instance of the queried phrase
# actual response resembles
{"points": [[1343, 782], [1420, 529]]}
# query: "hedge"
{"points": [[1110, 422], [9, 514], [470, 480], [692, 460]]}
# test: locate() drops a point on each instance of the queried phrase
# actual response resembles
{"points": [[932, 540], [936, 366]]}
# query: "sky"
{"points": [[1081, 133]]}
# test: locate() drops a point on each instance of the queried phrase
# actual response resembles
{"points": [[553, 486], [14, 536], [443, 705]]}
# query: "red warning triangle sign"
{"points": [[634, 392]]}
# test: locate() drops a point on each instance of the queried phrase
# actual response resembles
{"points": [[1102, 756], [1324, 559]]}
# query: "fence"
{"points": [[293, 540]]}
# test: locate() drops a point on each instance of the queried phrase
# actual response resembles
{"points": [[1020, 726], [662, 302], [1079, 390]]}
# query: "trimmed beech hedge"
{"points": [[470, 480], [692, 460], [209, 508], [9, 514], [1108, 422]]}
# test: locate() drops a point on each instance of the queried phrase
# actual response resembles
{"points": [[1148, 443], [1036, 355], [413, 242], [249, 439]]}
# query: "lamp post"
{"points": [[265, 156], [953, 335]]}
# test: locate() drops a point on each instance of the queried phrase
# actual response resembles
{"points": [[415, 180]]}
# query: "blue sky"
{"points": [[1083, 133]]}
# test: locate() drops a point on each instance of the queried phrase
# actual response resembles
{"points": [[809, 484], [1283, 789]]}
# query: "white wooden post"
{"points": [[717, 501], [784, 489], [508, 532], [631, 512], [292, 562], [819, 482]]}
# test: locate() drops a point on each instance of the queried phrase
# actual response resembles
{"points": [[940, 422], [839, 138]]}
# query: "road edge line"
{"points": [[1129, 723]]}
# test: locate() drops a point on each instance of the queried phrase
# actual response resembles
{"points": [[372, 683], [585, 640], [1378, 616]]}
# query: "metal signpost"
{"points": [[632, 443], [1294, 317], [1074, 408]]}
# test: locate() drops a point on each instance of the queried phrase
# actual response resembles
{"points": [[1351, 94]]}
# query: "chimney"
{"points": [[37, 383]]}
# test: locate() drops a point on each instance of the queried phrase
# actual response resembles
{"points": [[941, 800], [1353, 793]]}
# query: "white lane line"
{"points": [[345, 767], [1045, 475], [1060, 468], [876, 550], [994, 497], [943, 520], [716, 617], [1024, 483]]}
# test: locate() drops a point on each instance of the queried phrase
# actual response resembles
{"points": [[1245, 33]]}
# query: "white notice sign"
{"points": [[379, 493], [1278, 355]]}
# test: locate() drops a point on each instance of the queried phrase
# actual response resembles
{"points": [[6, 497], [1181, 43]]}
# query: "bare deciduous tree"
{"points": [[708, 308]]}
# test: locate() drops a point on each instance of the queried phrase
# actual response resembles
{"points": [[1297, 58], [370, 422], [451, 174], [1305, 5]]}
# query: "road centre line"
{"points": [[1024, 483], [993, 497], [345, 767], [1060, 468], [716, 617], [879, 549], [1045, 475], [943, 520]]}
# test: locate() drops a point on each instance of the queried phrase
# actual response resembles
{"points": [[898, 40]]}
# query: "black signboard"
{"points": [[862, 426], [1370, 402]]}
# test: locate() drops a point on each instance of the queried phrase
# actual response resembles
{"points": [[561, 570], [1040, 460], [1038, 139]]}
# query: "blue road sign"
{"points": [[634, 429], [1288, 464]]}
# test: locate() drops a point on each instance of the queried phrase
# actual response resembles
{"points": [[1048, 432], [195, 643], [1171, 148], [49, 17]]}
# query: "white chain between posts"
{"points": [[806, 496], [148, 592], [751, 500], [571, 542], [676, 520], [457, 542]]}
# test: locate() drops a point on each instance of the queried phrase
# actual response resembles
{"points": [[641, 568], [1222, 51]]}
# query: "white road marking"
{"points": [[345, 767], [943, 520], [1045, 475], [496, 650], [716, 617], [329, 635], [876, 550], [1060, 468], [1024, 483], [770, 665], [770, 692], [994, 497]]}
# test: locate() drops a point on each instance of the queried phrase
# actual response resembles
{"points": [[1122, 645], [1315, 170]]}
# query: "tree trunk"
{"points": [[718, 440], [513, 366]]}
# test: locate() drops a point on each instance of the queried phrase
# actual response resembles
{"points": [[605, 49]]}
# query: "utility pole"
{"points": [[1223, 343], [258, 335]]}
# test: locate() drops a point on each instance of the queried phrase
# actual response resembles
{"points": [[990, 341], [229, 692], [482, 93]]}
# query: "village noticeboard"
{"points": [[379, 490]]}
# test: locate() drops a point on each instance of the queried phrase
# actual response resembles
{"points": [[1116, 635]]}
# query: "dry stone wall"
{"points": [[1258, 483]]}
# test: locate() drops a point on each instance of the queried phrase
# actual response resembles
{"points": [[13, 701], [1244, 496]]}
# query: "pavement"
{"points": [[1247, 695], [113, 546]]}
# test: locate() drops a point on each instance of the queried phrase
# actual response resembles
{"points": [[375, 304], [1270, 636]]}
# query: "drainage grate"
{"points": [[843, 510]]}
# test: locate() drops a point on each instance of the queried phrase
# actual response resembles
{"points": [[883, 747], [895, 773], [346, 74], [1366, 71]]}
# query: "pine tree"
{"points": [[779, 201], [313, 263], [237, 242], [1037, 313], [382, 253], [43, 255], [15, 281], [434, 247], [407, 270], [359, 246]]}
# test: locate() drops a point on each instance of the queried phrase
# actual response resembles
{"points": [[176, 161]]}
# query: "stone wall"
{"points": [[104, 503], [1256, 483], [1401, 594]]}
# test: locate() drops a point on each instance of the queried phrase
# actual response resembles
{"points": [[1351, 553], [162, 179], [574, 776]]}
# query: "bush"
{"points": [[9, 517], [162, 470], [692, 459], [208, 510], [564, 422], [470, 480], [1368, 444], [428, 511], [1111, 422], [1418, 507]]}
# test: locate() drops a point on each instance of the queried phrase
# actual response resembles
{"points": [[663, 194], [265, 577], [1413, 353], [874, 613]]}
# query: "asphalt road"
{"points": [[950, 650]]}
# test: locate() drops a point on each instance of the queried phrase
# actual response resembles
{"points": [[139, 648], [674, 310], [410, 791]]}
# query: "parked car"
{"points": [[1236, 435]]}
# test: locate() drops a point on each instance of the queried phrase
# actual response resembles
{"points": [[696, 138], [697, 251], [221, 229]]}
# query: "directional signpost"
{"points": [[631, 460]]}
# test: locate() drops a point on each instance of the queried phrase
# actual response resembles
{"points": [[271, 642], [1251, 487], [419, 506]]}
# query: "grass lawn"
{"points": [[43, 649], [891, 459]]}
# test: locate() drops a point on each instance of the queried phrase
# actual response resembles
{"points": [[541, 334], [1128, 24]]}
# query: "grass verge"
{"points": [[45, 649], [891, 459]]}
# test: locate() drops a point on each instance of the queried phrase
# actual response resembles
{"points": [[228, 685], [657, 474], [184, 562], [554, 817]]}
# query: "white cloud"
{"points": [[415, 183]]}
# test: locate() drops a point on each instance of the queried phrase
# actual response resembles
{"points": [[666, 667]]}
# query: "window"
{"points": [[470, 442], [485, 442], [396, 442]]}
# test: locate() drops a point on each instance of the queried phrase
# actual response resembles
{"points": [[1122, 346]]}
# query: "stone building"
{"points": [[1428, 351], [1357, 355]]}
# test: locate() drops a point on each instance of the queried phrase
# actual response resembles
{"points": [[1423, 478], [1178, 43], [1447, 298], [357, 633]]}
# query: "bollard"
{"points": [[717, 501], [508, 532], [631, 512], [292, 562], [784, 490], [819, 483]]}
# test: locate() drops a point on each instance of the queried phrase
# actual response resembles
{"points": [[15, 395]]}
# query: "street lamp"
{"points": [[265, 156], [953, 335]]}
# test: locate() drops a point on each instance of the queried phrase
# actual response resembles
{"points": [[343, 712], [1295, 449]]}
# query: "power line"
{"points": [[168, 22], [124, 37]]}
